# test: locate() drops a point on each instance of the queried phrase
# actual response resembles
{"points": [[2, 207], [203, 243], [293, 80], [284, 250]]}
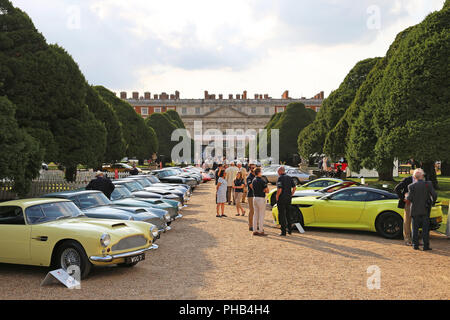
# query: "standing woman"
{"points": [[260, 189], [238, 186], [221, 195]]}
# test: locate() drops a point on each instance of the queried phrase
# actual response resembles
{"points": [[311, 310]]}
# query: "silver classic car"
{"points": [[299, 177]]}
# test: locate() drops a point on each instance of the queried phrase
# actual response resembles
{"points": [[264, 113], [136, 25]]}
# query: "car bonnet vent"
{"points": [[119, 225]]}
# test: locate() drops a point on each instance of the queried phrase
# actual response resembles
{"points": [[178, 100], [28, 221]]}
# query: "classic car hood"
{"points": [[147, 194], [117, 227], [104, 209]]}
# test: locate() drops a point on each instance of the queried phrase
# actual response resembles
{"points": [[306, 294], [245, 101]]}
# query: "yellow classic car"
{"points": [[356, 208], [54, 232], [312, 185]]}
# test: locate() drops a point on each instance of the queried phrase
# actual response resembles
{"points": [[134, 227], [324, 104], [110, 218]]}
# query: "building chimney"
{"points": [[285, 95], [266, 96], [147, 95], [238, 97], [155, 96], [123, 95], [136, 95], [177, 95], [172, 97], [244, 95], [322, 94], [256, 96], [206, 95], [230, 96], [220, 96]]}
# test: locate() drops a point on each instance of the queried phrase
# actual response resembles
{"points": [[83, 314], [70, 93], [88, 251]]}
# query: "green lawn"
{"points": [[443, 192]]}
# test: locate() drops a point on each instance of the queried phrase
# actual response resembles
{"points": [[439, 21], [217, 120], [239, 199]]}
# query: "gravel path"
{"points": [[204, 257]]}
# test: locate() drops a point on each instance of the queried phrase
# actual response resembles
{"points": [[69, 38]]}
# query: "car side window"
{"points": [[316, 184], [34, 214], [329, 183], [350, 195], [11, 215], [375, 196]]}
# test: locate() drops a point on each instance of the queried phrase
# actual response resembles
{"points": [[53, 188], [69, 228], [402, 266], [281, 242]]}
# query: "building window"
{"points": [[158, 109], [144, 111], [197, 110], [281, 109], [266, 110], [183, 110], [170, 108], [253, 109]]}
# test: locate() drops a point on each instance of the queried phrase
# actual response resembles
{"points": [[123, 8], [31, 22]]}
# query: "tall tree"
{"points": [[115, 144], [409, 107], [163, 126], [20, 155], [312, 139], [140, 140]]}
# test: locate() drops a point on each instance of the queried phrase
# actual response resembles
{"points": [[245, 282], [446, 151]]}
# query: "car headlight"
{"points": [[105, 240], [154, 231], [167, 217]]}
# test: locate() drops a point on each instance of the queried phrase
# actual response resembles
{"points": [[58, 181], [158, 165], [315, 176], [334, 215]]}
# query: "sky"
{"points": [[262, 46]]}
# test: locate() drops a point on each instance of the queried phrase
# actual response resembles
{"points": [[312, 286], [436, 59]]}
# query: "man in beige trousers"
{"points": [[244, 175]]}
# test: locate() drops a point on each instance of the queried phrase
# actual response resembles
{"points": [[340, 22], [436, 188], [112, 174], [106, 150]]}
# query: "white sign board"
{"points": [[299, 227], [62, 276]]}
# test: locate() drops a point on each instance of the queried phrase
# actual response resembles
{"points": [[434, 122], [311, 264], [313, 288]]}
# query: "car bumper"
{"points": [[111, 258]]}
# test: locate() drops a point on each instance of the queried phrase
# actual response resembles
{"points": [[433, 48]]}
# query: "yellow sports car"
{"points": [[356, 208], [312, 185], [54, 232]]}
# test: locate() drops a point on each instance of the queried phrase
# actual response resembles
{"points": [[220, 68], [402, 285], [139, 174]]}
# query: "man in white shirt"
{"points": [[244, 175], [231, 172]]}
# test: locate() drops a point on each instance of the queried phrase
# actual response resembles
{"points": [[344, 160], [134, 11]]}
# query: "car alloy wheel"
{"points": [[71, 253], [390, 225]]}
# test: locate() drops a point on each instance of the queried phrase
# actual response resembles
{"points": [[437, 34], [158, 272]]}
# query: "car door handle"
{"points": [[41, 238]]}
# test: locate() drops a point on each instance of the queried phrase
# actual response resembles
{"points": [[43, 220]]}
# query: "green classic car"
{"points": [[54, 232]]}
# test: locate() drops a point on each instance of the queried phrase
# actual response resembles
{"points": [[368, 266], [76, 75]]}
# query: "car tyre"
{"points": [[296, 216], [72, 253], [389, 225], [273, 199]]}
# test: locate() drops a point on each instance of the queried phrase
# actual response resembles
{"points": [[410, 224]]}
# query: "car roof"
{"points": [[370, 189], [71, 193], [31, 202]]}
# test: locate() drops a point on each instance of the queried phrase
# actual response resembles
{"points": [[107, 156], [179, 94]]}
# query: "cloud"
{"points": [[262, 45]]}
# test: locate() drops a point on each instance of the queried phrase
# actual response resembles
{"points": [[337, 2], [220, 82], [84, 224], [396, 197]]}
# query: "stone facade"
{"points": [[238, 112]]}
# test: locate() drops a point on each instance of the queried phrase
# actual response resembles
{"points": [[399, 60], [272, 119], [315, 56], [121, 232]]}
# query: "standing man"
{"points": [[102, 184], [251, 209], [402, 189], [422, 196], [231, 172], [259, 203], [285, 190], [134, 171]]}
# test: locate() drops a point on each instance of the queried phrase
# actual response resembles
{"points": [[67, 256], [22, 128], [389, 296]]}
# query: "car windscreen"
{"points": [[90, 200], [51, 211], [144, 182], [120, 192], [133, 186], [153, 179]]}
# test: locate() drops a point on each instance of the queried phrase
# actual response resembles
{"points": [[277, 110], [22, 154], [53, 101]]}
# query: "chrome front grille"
{"points": [[130, 243]]}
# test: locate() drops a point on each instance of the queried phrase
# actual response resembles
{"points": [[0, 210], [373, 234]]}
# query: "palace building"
{"points": [[219, 112]]}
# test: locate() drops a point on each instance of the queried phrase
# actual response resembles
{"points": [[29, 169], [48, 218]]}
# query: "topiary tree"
{"points": [[115, 144], [408, 109], [163, 126], [313, 139], [20, 158], [139, 139], [176, 119], [290, 123]]}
